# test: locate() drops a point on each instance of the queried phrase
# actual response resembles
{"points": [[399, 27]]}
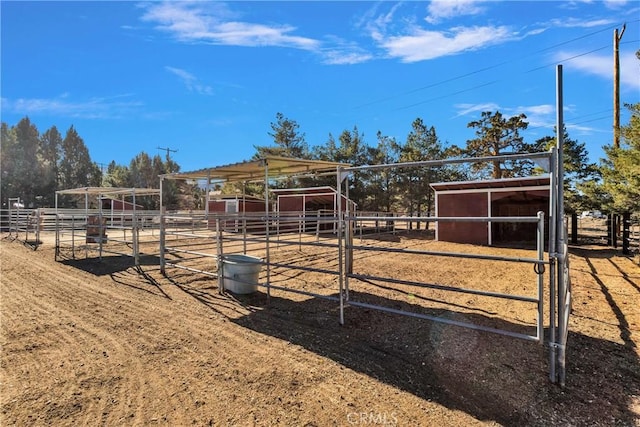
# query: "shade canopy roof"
{"points": [[534, 181], [111, 191], [271, 166]]}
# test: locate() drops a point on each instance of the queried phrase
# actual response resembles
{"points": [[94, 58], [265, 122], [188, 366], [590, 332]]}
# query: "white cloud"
{"points": [[423, 45], [468, 109], [342, 57], [615, 4], [446, 9], [569, 22], [343, 52], [93, 108], [602, 66], [538, 109], [190, 81], [211, 22], [538, 116]]}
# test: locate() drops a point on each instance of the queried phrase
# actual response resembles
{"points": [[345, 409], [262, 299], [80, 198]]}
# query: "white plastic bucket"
{"points": [[240, 273]]}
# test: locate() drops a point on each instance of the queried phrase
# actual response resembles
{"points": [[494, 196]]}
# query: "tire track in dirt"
{"points": [[89, 334], [86, 295], [75, 341]]}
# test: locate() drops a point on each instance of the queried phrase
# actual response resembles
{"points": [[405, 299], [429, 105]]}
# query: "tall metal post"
{"points": [[101, 231], [57, 252], [616, 86], [340, 248], [162, 230], [135, 232], [560, 235], [552, 265], [268, 219], [540, 273]]}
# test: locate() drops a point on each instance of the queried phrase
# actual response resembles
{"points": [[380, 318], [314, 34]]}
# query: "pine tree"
{"points": [[621, 169], [496, 135], [577, 169], [289, 142]]}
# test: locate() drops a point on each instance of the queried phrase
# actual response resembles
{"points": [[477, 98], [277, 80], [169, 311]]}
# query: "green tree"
{"points": [[28, 167], [621, 168], [116, 176], [382, 188], [76, 167], [9, 147], [142, 172], [51, 149], [351, 150], [496, 135], [577, 169], [289, 142], [422, 144]]}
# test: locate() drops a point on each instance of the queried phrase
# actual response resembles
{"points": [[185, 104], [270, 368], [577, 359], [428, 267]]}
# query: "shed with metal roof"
{"points": [[507, 197]]}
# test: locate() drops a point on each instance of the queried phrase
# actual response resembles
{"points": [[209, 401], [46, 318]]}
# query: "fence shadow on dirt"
{"points": [[490, 377], [123, 271]]}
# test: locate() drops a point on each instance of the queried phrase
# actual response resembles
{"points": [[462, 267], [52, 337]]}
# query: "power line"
{"points": [[489, 68]]}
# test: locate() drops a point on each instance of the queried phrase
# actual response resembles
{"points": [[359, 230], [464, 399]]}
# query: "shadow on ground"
{"points": [[123, 271], [491, 377]]}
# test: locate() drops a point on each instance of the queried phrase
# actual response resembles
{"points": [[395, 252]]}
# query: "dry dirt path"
{"points": [[114, 347]]}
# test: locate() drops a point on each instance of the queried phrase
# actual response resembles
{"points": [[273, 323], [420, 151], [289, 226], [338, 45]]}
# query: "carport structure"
{"points": [[115, 232], [186, 240]]}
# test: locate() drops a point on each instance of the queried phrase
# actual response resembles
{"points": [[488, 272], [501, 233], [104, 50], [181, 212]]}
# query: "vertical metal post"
{"points": [[340, 248], [348, 238], [162, 229], [101, 231], [37, 226], [135, 235], [86, 226], [489, 223], [560, 235], [540, 273], [73, 236], [552, 266], [27, 220], [57, 253], [219, 257], [268, 219], [244, 217]]}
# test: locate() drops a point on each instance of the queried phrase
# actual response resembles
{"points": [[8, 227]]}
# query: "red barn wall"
{"points": [[468, 204]]}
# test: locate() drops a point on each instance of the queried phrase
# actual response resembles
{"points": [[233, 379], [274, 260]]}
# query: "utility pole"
{"points": [[168, 150], [616, 85]]}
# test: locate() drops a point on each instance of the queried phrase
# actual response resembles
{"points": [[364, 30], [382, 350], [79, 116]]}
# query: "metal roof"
{"points": [[255, 169], [307, 190], [532, 181], [111, 191]]}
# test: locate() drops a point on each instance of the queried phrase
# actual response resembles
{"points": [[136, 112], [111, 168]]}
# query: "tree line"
{"points": [[35, 165]]}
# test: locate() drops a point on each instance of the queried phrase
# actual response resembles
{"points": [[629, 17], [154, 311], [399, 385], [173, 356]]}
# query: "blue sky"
{"points": [[207, 78]]}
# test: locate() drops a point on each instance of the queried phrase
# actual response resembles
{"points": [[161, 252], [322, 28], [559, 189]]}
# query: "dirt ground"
{"points": [[101, 343]]}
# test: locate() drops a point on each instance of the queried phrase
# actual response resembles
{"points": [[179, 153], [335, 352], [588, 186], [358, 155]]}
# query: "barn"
{"points": [[486, 198], [232, 206], [310, 199], [110, 204], [235, 203], [312, 202]]}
